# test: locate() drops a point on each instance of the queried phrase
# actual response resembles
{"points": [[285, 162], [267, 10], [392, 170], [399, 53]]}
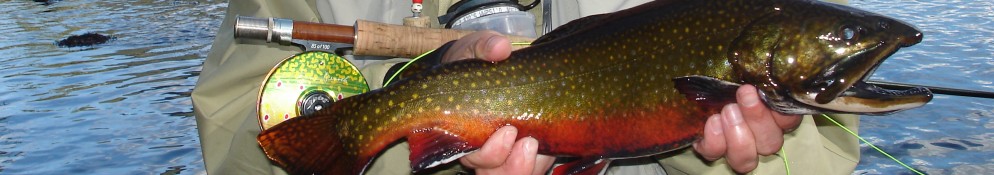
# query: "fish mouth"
{"points": [[867, 98], [843, 88]]}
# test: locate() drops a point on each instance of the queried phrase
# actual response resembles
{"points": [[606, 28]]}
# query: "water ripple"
{"points": [[119, 108], [950, 135]]}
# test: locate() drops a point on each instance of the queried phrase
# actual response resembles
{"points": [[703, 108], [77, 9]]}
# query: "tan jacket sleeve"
{"points": [[817, 146], [227, 90]]}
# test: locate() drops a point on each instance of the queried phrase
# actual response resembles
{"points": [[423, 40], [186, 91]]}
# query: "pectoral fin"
{"points": [[584, 166], [433, 147], [710, 93]]}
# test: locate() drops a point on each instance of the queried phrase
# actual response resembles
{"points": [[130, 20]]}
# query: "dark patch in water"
{"points": [[897, 150], [949, 145], [46, 2], [173, 170], [167, 146], [911, 146], [87, 39], [181, 114], [969, 143]]}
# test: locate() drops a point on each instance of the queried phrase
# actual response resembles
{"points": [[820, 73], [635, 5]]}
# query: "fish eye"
{"points": [[849, 33]]}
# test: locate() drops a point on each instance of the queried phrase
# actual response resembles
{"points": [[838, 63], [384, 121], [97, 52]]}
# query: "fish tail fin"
{"points": [[309, 145]]}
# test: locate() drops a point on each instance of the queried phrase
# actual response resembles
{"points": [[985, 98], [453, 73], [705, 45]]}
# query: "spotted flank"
{"points": [[284, 94], [633, 83]]}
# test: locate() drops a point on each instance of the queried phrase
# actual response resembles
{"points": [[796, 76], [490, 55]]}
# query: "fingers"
{"points": [[520, 161], [712, 144], [494, 151], [787, 122], [727, 135], [486, 45], [524, 159], [501, 154], [747, 94], [741, 154], [768, 135], [744, 130]]}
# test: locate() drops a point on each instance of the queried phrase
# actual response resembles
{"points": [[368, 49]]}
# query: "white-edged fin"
{"points": [[584, 166], [435, 146], [449, 159]]}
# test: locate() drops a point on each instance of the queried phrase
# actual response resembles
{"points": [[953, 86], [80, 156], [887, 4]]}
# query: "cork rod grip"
{"points": [[381, 39], [323, 32]]}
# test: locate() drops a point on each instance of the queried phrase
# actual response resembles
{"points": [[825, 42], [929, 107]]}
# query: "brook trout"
{"points": [[633, 83]]}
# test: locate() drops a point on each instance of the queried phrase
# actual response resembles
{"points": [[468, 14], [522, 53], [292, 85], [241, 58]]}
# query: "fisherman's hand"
{"points": [[743, 131], [485, 45], [501, 154]]}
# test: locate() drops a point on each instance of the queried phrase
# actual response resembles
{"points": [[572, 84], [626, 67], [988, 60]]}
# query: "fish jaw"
{"points": [[869, 99], [816, 61], [842, 88], [849, 93]]}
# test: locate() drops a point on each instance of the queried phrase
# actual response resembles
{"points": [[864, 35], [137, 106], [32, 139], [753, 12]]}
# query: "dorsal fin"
{"points": [[569, 28], [588, 22]]}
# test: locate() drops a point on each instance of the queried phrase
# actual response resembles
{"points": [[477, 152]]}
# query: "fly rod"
{"points": [[380, 39], [365, 37], [934, 89]]}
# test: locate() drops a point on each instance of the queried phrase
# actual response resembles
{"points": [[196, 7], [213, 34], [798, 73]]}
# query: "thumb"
{"points": [[485, 45]]}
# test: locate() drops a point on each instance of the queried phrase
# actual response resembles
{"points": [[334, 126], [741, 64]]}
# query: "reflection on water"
{"points": [[950, 135], [121, 107]]}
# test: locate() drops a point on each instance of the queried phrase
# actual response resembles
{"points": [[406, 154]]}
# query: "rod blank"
{"points": [[935, 89]]}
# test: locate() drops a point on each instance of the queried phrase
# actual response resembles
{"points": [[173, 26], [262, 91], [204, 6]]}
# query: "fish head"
{"points": [[814, 57]]}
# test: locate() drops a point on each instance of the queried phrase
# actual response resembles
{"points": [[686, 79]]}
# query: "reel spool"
{"points": [[305, 83]]}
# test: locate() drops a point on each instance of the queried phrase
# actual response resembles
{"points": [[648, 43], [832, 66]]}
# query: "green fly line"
{"points": [[405, 66], [783, 153], [871, 145]]}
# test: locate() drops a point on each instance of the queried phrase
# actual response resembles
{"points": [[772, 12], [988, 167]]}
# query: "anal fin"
{"points": [[434, 146], [584, 166]]}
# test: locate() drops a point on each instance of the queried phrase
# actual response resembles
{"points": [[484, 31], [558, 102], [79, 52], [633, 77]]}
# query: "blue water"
{"points": [[123, 107], [950, 135]]}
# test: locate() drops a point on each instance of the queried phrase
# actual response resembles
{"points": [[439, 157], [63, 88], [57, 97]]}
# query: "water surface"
{"points": [[950, 135], [122, 107]]}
